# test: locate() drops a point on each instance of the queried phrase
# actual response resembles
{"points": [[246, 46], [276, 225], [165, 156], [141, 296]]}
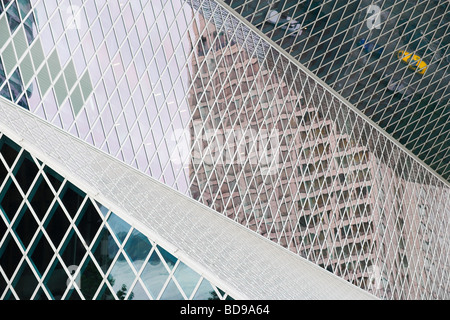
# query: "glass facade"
{"points": [[58, 243], [357, 48], [190, 94]]}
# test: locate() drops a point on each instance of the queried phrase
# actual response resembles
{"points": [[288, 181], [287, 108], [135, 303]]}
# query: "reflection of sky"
{"points": [[155, 278], [154, 274]]}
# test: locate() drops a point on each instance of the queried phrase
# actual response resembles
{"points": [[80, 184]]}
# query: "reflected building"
{"points": [[353, 47], [186, 94], [327, 196]]}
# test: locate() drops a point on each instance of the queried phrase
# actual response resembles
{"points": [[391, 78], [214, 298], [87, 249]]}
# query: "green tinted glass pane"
{"points": [[60, 90], [26, 68], [4, 31], [86, 85], [37, 53], [44, 80], [53, 64], [9, 58], [20, 42], [70, 75], [77, 100]]}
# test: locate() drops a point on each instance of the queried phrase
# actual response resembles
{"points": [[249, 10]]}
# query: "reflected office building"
{"points": [[170, 150]]}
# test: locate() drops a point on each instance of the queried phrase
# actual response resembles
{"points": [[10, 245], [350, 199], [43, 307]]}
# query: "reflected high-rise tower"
{"points": [[160, 136], [265, 159]]}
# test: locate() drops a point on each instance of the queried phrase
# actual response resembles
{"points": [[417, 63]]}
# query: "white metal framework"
{"points": [[196, 97], [194, 236]]}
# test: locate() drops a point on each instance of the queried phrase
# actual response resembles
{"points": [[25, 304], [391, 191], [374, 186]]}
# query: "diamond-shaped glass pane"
{"points": [[72, 199], [11, 201], [105, 249], [25, 226], [7, 151], [42, 253], [105, 294], [154, 275], [137, 248], [41, 198], [3, 173], [55, 179], [91, 279], [10, 256], [72, 250], [186, 278], [119, 227], [121, 276], [56, 225], [25, 283], [89, 222], [171, 292]]}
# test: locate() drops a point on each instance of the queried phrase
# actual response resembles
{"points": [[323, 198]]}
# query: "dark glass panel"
{"points": [[72, 198], [40, 295], [25, 226], [55, 179], [90, 280], [56, 280], [73, 295], [10, 256], [89, 222], [2, 285], [105, 294], [42, 196], [105, 249], [42, 253], [25, 282], [3, 172], [137, 248], [26, 172], [9, 150], [11, 200], [57, 225], [3, 227], [73, 250]]}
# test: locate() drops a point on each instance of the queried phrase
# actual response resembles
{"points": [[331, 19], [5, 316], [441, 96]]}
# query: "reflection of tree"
{"points": [[123, 292], [214, 295], [91, 280]]}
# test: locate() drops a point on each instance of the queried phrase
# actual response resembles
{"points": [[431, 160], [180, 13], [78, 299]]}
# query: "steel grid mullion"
{"points": [[124, 76], [416, 145]]}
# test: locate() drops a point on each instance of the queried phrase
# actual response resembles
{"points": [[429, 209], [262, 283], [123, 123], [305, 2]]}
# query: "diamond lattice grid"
{"points": [[58, 243], [184, 91], [353, 45], [323, 199]]}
